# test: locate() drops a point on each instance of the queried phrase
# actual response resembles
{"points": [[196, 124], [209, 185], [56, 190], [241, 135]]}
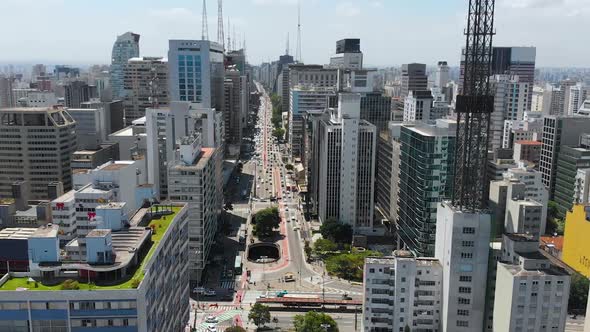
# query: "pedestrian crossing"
{"points": [[226, 316], [227, 284]]}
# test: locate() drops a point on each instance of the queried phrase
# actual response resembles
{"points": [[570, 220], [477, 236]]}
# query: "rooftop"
{"points": [[529, 143], [518, 271], [16, 233], [48, 231], [124, 244], [555, 241]]}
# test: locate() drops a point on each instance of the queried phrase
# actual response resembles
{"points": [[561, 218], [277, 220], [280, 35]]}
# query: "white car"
{"points": [[211, 319]]}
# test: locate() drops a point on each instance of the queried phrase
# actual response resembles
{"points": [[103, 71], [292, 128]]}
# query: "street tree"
{"points": [[259, 314], [335, 231], [265, 221], [235, 329], [324, 245], [578, 294], [315, 322]]}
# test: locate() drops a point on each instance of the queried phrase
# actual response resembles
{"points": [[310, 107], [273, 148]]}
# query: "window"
{"points": [[468, 230], [466, 255], [467, 243], [463, 300], [462, 323], [465, 278], [465, 290], [462, 312]]}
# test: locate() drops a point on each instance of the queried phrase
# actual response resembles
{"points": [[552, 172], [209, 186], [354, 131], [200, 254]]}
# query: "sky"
{"points": [[392, 32]]}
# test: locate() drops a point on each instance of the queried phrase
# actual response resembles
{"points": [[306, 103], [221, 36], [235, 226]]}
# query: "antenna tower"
{"points": [[298, 54], [228, 35], [474, 108], [220, 37], [204, 27], [287, 48]]}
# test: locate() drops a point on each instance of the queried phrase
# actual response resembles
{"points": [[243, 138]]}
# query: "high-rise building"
{"points": [[37, 148], [577, 94], [196, 72], [569, 161], [116, 266], [527, 151], [425, 179], [414, 78], [529, 129], [537, 100], [376, 109], [419, 106], [553, 99], [303, 99], [345, 166], [387, 173], [309, 75], [575, 242], [6, 92], [531, 293], [442, 75], [402, 291], [558, 131], [78, 92], [126, 47], [145, 84], [91, 127], [511, 101], [232, 109], [348, 55], [195, 178]]}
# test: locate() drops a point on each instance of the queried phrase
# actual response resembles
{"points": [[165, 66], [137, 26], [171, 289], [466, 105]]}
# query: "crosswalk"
{"points": [[227, 284], [224, 317], [318, 281]]}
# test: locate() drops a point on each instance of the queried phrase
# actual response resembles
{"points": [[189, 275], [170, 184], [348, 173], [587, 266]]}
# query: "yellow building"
{"points": [[576, 245]]}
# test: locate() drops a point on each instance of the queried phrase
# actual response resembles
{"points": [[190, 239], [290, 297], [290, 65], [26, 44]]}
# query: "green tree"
{"points": [[322, 245], [578, 294], [335, 231], [349, 266], [235, 329], [552, 222], [278, 133], [312, 322], [307, 249], [265, 221], [259, 314], [289, 167]]}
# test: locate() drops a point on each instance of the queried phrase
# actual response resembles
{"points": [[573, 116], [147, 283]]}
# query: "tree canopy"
{"points": [[265, 221], [259, 314], [349, 266], [312, 322], [235, 329], [578, 294], [335, 231]]}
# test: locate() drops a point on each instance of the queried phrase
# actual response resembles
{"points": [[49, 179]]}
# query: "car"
{"points": [[209, 292], [262, 296], [211, 328], [296, 228], [198, 290], [293, 218], [287, 208], [281, 293], [211, 320]]}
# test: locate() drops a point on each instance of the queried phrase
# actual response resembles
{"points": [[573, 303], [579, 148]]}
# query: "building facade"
{"points": [[126, 47], [145, 85]]}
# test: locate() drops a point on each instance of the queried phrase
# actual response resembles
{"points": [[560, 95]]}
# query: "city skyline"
{"points": [[322, 23]]}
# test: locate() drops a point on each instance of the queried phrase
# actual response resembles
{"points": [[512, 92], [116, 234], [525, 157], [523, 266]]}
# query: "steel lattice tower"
{"points": [[474, 108], [298, 52], [220, 36]]}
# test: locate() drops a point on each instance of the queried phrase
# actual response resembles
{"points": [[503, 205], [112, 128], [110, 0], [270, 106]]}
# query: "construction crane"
{"points": [[474, 107]]}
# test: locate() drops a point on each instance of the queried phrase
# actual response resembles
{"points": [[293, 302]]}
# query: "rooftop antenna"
{"points": [[287, 48], [298, 54], [204, 28], [228, 35], [234, 37], [220, 37]]}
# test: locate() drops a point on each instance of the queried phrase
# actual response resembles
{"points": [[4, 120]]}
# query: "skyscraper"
{"points": [[196, 72], [414, 78], [145, 83], [425, 179], [78, 92], [29, 156], [511, 101], [442, 75], [126, 47]]}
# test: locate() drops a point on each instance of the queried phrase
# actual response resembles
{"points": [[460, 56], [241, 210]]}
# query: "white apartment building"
{"points": [[36, 145], [531, 294], [402, 291], [577, 94], [442, 75], [582, 186], [346, 160], [145, 85], [537, 99], [511, 101], [195, 178], [303, 99], [462, 247], [417, 106], [535, 190], [553, 98], [38, 99], [524, 216]]}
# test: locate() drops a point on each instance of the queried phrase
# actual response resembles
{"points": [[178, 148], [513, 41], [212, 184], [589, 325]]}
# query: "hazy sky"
{"points": [[392, 32]]}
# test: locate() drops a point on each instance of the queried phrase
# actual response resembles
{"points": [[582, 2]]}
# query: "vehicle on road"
{"points": [[211, 320], [212, 328], [209, 292], [296, 228], [289, 277], [198, 290], [281, 293]]}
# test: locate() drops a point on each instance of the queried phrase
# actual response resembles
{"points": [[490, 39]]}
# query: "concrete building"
{"points": [[419, 106], [558, 131], [232, 110], [303, 99], [425, 179], [91, 126], [528, 129], [537, 100], [402, 291], [553, 98], [348, 55], [462, 247], [414, 78], [126, 47], [576, 96], [196, 72], [511, 101], [132, 140], [569, 161], [36, 147], [38, 99], [575, 243], [531, 293], [308, 75], [77, 92], [582, 186], [387, 173], [6, 98], [145, 85], [90, 159], [524, 216], [376, 109], [195, 178], [442, 75], [121, 266], [345, 174], [527, 151]]}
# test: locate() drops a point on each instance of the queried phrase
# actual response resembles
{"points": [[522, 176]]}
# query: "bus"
{"points": [[238, 265]]}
